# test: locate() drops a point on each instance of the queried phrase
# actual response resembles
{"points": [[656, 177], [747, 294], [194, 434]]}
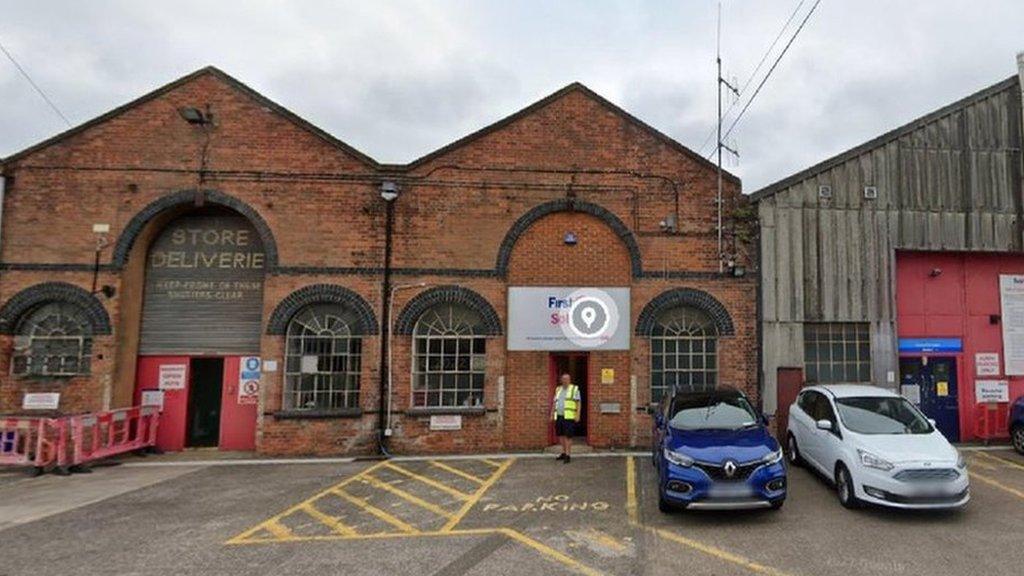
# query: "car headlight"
{"points": [[677, 458], [960, 462], [871, 461], [772, 457]]}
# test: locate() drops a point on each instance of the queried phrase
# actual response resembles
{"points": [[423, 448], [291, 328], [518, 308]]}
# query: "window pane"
{"points": [[322, 364]]}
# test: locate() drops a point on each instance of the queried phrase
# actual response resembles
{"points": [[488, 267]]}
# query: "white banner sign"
{"points": [[991, 391], [41, 401], [568, 318], [172, 377], [1011, 299]]}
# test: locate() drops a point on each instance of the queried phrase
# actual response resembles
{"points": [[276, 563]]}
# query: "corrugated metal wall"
{"points": [[950, 181], [204, 287]]}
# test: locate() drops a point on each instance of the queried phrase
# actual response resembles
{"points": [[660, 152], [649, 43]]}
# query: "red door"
{"points": [[576, 364], [237, 411], [171, 432], [789, 381]]}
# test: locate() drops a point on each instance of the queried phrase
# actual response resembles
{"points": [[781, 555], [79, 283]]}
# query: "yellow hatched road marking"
{"points": [[1005, 461], [478, 494], [377, 483], [997, 484], [271, 524], [550, 552], [430, 482], [332, 522], [277, 529], [491, 462], [631, 506], [366, 506], [980, 464], [456, 471]]}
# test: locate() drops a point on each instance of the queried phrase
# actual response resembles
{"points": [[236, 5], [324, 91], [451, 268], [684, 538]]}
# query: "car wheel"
{"points": [[844, 488], [792, 452], [1018, 438], [776, 504]]}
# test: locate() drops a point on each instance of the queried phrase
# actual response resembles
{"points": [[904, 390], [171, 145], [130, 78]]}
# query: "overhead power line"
{"points": [[746, 84], [35, 86], [772, 69]]}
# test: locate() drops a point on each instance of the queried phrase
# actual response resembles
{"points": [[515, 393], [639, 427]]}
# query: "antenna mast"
{"points": [[720, 146]]}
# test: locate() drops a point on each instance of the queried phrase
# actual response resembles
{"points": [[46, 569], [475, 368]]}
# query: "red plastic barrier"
{"points": [[991, 420], [33, 441], [105, 434]]}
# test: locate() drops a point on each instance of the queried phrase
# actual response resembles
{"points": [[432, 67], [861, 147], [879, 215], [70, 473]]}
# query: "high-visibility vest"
{"points": [[570, 403]]}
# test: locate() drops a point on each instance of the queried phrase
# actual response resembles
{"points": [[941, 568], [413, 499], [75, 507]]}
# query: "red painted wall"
{"points": [[956, 303]]}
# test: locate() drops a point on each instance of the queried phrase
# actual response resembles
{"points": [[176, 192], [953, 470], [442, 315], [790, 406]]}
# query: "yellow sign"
{"points": [[942, 388], [607, 376]]}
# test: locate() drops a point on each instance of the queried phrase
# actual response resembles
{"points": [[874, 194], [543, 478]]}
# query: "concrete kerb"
{"points": [[328, 460]]}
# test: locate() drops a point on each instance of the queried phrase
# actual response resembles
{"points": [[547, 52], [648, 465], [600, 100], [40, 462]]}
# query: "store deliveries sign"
{"points": [[1011, 298], [204, 287], [568, 318]]}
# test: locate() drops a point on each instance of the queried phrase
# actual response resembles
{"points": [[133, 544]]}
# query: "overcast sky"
{"points": [[400, 79]]}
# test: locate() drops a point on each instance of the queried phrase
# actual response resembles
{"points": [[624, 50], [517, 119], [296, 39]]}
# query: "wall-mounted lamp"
{"points": [[668, 224], [389, 190], [935, 273], [570, 239], [736, 270], [194, 115]]}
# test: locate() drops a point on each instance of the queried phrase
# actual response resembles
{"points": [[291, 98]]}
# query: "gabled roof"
{"points": [[574, 87], [882, 140], [214, 71]]}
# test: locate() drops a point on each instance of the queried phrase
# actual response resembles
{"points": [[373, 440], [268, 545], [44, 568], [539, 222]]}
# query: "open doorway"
{"points": [[204, 402], [575, 364]]}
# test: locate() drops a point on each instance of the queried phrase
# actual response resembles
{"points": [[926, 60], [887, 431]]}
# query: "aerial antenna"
{"points": [[721, 145]]}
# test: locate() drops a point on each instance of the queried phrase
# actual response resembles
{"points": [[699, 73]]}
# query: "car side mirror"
{"points": [[824, 425], [765, 419]]}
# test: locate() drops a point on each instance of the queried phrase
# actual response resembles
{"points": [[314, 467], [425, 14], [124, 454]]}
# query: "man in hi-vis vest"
{"points": [[566, 414]]}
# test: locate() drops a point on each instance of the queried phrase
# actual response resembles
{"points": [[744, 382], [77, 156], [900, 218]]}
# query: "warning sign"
{"points": [[249, 370]]}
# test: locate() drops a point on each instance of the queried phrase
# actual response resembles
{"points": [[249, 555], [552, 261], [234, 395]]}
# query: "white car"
{"points": [[876, 447]]}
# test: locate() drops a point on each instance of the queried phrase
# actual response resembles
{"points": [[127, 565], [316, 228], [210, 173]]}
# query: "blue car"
{"points": [[713, 451], [1017, 425]]}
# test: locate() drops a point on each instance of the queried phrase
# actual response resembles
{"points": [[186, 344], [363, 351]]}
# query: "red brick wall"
{"points": [[321, 203]]}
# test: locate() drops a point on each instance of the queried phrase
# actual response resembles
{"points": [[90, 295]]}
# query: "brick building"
{"points": [[271, 285]]}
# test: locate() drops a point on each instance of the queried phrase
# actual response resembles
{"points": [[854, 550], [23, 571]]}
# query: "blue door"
{"points": [[939, 391]]}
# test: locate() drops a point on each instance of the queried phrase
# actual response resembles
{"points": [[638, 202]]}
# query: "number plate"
{"points": [[737, 490]]}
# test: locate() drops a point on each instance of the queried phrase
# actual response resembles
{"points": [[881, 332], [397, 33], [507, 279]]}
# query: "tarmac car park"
{"points": [[497, 514]]}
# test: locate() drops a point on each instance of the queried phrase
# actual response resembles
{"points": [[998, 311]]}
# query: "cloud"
{"points": [[399, 79]]}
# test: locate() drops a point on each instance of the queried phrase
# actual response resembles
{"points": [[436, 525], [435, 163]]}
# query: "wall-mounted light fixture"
{"points": [[389, 190], [570, 239]]}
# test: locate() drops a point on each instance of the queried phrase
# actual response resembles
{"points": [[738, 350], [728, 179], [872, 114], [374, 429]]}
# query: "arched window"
{"points": [[54, 339], [322, 359], [449, 357], [684, 352]]}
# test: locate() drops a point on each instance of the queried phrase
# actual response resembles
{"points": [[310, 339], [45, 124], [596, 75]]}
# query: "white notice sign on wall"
{"points": [[991, 391], [1011, 299], [172, 377], [986, 364]]}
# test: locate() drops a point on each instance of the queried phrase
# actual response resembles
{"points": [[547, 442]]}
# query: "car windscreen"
{"points": [[882, 415], [712, 412]]}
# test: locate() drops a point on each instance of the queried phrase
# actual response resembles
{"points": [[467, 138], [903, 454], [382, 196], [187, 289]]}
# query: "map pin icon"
{"points": [[589, 315]]}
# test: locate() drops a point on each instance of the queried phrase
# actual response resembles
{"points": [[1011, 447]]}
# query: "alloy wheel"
{"points": [[1018, 439]]}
